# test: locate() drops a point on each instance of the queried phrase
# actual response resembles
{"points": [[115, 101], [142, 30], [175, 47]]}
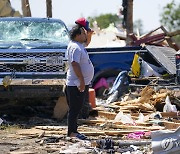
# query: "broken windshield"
{"points": [[33, 31]]}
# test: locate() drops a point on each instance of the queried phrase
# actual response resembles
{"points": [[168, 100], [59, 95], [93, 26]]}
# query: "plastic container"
{"points": [[92, 97]]}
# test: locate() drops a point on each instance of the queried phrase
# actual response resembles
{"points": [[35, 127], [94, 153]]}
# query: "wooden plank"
{"points": [[56, 128], [108, 115], [125, 102], [122, 132], [169, 114], [157, 95], [171, 125], [138, 127], [97, 121], [92, 133]]}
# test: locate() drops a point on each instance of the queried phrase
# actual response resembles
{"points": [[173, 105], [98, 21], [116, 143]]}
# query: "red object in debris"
{"points": [[92, 99], [149, 39]]}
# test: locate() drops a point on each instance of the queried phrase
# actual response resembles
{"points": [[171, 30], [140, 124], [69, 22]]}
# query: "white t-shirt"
{"points": [[76, 52]]}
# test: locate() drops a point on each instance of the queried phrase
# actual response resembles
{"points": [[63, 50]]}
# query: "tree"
{"points": [[49, 8], [26, 8], [170, 18], [129, 21], [104, 20]]}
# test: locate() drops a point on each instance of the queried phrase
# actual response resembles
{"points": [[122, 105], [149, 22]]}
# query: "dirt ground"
{"points": [[18, 140], [32, 130]]}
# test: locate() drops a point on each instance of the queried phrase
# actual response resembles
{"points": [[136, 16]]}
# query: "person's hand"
{"points": [[81, 86], [90, 32], [89, 35]]}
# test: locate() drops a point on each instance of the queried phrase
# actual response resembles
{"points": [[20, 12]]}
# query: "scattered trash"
{"points": [[168, 107], [1, 121], [124, 118], [120, 86], [136, 135]]}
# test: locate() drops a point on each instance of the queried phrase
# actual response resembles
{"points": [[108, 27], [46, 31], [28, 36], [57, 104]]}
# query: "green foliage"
{"points": [[170, 17], [104, 20]]}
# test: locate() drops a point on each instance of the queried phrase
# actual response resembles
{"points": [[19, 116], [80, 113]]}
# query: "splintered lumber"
{"points": [[138, 107], [171, 125], [137, 127], [146, 106], [137, 114], [108, 115], [111, 132], [130, 107], [146, 94], [137, 124], [50, 128], [115, 107], [157, 95], [31, 131], [122, 132], [93, 133], [169, 114], [97, 121], [125, 102], [125, 110], [147, 91], [22, 152]]}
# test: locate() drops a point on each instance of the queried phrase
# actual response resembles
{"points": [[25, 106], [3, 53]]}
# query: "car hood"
{"points": [[31, 45]]}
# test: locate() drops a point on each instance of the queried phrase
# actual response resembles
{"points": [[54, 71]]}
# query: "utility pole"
{"points": [[49, 8], [26, 8], [128, 19]]}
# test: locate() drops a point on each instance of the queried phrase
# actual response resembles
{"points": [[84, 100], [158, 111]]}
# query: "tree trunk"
{"points": [[49, 8], [26, 8], [129, 21]]}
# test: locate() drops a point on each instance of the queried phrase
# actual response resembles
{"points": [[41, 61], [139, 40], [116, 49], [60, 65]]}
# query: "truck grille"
{"points": [[33, 68], [25, 55], [38, 67]]}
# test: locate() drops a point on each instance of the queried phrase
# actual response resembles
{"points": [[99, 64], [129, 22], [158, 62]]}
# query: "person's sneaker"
{"points": [[81, 136]]}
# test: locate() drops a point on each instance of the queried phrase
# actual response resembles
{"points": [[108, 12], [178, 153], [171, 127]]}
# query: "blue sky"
{"points": [[69, 10]]}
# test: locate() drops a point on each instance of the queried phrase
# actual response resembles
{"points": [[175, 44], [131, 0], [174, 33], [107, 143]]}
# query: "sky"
{"points": [[69, 10]]}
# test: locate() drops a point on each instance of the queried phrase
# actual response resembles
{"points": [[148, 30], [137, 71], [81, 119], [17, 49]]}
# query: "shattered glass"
{"points": [[13, 31]]}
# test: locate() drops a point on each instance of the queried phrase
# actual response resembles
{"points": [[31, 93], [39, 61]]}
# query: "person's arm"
{"points": [[89, 35], [79, 74]]}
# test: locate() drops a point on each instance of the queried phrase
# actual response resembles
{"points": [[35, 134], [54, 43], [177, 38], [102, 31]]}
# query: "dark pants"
{"points": [[75, 100]]}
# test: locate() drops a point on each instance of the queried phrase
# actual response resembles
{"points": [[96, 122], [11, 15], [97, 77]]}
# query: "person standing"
{"points": [[79, 76], [86, 109]]}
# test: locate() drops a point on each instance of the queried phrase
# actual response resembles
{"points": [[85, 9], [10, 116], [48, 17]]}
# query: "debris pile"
{"points": [[118, 127]]}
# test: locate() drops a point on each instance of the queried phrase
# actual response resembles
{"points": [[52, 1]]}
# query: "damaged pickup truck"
{"points": [[32, 61]]}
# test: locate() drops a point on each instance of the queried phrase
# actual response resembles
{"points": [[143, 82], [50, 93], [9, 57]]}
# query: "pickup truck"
{"points": [[32, 58]]}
